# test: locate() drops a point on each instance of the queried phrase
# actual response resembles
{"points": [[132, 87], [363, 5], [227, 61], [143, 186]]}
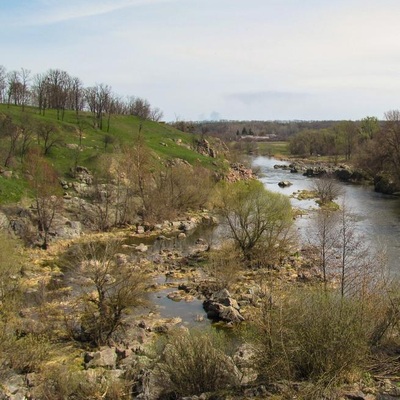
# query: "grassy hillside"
{"points": [[164, 141]]}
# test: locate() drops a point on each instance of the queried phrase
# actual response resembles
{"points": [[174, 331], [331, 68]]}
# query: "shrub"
{"points": [[60, 382], [193, 363], [224, 266], [314, 336]]}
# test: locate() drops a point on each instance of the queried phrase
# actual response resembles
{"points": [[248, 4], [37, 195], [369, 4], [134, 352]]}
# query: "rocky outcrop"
{"points": [[222, 307], [238, 172], [203, 147]]}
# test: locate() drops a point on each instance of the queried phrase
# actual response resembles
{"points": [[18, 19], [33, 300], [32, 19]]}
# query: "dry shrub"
{"points": [[60, 382], [313, 336], [225, 265], [193, 363], [25, 354]]}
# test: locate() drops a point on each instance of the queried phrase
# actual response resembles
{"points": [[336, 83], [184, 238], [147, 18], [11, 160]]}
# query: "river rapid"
{"points": [[377, 215]]}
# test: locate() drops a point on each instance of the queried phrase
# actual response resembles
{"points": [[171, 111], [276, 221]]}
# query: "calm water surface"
{"points": [[377, 215]]}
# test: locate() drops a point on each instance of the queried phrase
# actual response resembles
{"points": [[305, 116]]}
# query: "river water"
{"points": [[377, 216]]}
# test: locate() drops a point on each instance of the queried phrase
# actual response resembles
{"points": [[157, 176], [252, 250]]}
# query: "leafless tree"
{"points": [[327, 189], [40, 92], [3, 84], [11, 132], [26, 135], [324, 240], [98, 98], [25, 79], [46, 190], [108, 289], [49, 134], [14, 88]]}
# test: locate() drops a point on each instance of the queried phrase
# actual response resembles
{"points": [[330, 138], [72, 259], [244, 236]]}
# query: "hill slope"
{"points": [[76, 141]]}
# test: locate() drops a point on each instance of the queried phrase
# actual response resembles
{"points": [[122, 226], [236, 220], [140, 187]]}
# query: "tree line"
{"points": [[57, 89], [370, 144]]}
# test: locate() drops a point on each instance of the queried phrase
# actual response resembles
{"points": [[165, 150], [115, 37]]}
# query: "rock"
{"points": [[203, 147], [239, 172], [13, 387], [182, 236], [4, 222], [384, 184], [7, 174], [187, 225], [230, 314], [106, 358], [285, 184], [140, 229], [142, 248], [222, 307], [344, 174]]}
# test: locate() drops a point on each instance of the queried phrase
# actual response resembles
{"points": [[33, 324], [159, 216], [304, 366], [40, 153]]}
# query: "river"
{"points": [[377, 216]]}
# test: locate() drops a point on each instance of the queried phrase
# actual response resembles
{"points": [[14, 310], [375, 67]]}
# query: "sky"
{"points": [[218, 59]]}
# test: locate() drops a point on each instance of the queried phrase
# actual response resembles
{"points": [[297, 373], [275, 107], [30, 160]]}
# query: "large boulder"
{"points": [[384, 184], [222, 307]]}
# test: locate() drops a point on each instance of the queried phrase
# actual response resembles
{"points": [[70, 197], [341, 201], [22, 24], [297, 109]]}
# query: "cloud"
{"points": [[46, 12], [253, 98]]}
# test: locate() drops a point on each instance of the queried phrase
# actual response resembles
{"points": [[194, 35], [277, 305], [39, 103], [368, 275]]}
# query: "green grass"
{"points": [[12, 190], [163, 140], [275, 149]]}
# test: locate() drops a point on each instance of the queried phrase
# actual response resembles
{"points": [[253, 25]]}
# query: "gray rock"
{"points": [[13, 387], [106, 358]]}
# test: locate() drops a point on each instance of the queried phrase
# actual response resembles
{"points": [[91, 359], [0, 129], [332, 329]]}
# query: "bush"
{"points": [[224, 266], [193, 363], [24, 354], [314, 336], [60, 382]]}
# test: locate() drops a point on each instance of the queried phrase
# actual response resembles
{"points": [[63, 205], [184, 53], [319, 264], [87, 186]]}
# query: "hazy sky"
{"points": [[212, 59]]}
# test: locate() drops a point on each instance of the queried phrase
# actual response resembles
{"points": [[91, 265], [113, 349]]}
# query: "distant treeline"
{"points": [[56, 89], [234, 130]]}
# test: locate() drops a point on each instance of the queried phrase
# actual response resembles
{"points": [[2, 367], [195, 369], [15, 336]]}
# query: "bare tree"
{"points": [[324, 240], [49, 134], [3, 84], [25, 79], [46, 190], [109, 289], [98, 98], [327, 189], [40, 92], [12, 133], [58, 86], [14, 90]]}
